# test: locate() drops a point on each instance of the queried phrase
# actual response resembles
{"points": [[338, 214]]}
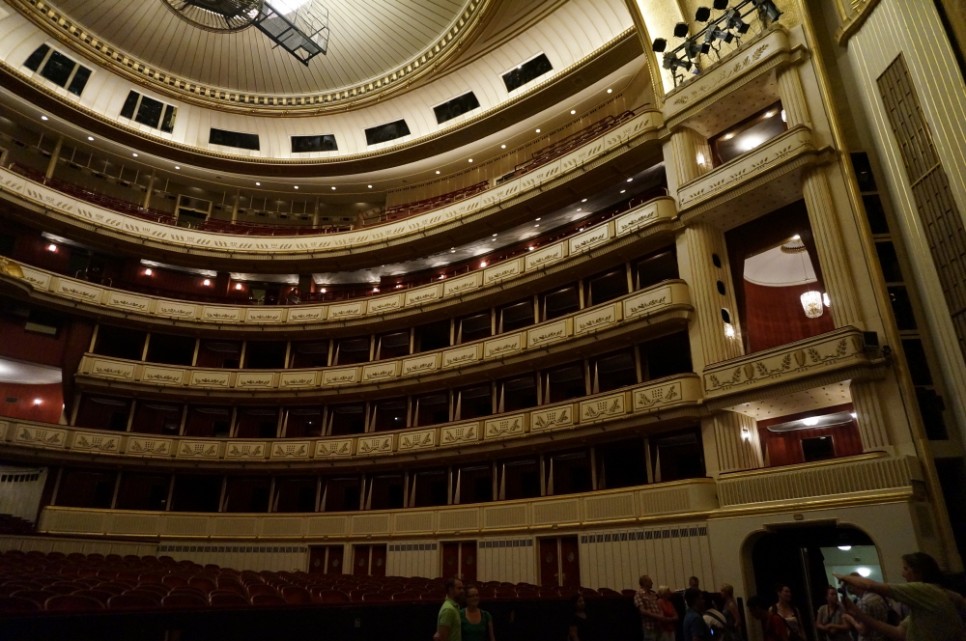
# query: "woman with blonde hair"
{"points": [[665, 629], [729, 607]]}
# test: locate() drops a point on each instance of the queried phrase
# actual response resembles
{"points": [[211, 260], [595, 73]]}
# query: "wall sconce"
{"points": [[812, 304], [148, 272], [239, 287], [729, 330], [206, 282], [745, 434], [52, 248]]}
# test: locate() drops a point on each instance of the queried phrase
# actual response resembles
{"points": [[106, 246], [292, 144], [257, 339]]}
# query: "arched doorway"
{"points": [[804, 558]]}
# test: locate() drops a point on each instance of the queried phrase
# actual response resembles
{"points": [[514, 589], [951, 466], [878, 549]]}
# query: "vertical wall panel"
{"points": [[413, 558], [512, 560]]}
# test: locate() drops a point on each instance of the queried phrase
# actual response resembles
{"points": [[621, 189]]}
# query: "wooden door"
{"points": [[360, 560], [468, 560], [377, 562], [559, 562]]}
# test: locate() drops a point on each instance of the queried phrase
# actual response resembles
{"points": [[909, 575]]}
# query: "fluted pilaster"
{"points": [[793, 98], [832, 251], [873, 429], [681, 157], [736, 444], [698, 247]]}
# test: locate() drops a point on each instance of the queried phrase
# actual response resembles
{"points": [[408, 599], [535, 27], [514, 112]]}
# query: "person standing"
{"points": [[787, 611], [695, 629], [829, 620], [734, 625], [873, 606], [666, 631], [476, 624], [645, 600], [448, 626], [580, 628], [773, 627], [933, 612]]}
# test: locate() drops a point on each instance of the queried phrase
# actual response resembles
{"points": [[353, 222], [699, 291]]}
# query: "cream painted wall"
{"points": [[913, 30]]}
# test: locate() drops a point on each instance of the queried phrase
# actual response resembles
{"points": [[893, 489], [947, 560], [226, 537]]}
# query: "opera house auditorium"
{"points": [[307, 305]]}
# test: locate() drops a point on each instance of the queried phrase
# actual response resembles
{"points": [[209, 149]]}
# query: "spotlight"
{"points": [[703, 14], [720, 5], [767, 11], [681, 30], [693, 48], [733, 19], [672, 64], [659, 45]]}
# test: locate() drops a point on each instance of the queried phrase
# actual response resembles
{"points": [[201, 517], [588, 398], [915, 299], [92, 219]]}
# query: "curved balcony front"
{"points": [[636, 228]]}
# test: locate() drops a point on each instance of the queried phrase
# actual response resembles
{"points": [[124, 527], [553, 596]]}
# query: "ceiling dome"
{"points": [[217, 15], [205, 42]]}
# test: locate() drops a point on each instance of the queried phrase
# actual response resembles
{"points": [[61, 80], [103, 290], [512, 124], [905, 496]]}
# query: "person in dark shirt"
{"points": [[695, 629]]}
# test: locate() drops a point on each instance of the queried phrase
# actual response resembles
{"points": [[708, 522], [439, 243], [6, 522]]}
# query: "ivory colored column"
{"points": [[681, 155], [873, 429], [733, 440], [832, 252], [793, 98], [698, 246]]}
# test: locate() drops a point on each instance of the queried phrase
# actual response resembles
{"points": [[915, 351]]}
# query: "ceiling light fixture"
{"points": [[90, 138], [44, 118]]}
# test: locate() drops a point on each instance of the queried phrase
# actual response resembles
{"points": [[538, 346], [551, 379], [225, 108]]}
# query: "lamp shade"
{"points": [[812, 303]]}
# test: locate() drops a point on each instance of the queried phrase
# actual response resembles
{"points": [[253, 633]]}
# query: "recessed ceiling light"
{"points": [[177, 166], [494, 235], [583, 200], [90, 138], [258, 184], [610, 91], [483, 263], [369, 186], [437, 172], [573, 112], [333, 188], [135, 154], [296, 186], [537, 130], [452, 250], [630, 180], [537, 219], [623, 191], [728, 136], [469, 160], [502, 146], [44, 118], [537, 225]]}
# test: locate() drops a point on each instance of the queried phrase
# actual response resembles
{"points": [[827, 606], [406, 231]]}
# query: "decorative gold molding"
{"points": [[68, 210], [838, 350], [58, 25], [97, 299], [669, 298], [518, 427], [859, 13]]}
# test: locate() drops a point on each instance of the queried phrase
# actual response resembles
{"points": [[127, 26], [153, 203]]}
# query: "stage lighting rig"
{"points": [[767, 11]]}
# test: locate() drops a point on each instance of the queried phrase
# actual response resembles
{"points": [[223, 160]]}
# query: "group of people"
{"points": [[858, 611], [469, 623], [717, 612], [924, 610]]}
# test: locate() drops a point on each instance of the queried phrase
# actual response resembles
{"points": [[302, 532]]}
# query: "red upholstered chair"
{"points": [[268, 599], [221, 598], [331, 596], [184, 600], [295, 594], [18, 604], [203, 583], [72, 603], [134, 601]]}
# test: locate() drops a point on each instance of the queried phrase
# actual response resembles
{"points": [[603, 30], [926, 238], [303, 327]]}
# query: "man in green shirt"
{"points": [[448, 621]]}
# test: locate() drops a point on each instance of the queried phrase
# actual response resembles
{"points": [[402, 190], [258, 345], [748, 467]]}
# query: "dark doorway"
{"points": [[803, 558]]}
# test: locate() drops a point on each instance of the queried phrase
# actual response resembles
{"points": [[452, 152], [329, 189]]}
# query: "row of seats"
{"points": [[556, 150], [35, 581], [418, 207]]}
